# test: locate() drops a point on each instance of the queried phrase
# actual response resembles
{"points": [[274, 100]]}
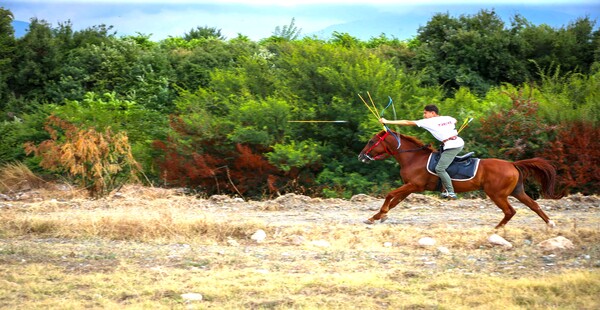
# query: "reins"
{"points": [[426, 146]]}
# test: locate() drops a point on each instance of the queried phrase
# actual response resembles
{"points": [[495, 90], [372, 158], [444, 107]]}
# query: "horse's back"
{"points": [[496, 166], [497, 174]]}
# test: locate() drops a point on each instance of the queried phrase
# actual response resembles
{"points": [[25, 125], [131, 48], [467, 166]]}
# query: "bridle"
{"points": [[389, 152]]}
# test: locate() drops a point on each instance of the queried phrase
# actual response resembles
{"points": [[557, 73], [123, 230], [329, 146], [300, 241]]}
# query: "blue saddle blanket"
{"points": [[463, 168]]}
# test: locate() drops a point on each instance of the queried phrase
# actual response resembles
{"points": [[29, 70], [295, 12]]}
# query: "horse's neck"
{"points": [[410, 152]]}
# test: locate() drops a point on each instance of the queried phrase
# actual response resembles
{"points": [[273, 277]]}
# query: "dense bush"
{"points": [[212, 114]]}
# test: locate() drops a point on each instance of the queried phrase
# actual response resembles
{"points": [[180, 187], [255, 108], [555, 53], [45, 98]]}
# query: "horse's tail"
{"points": [[543, 172]]}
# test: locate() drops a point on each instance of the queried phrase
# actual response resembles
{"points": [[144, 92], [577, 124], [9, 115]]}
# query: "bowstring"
{"points": [[374, 111], [391, 103]]}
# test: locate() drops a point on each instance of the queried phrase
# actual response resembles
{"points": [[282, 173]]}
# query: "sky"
{"points": [[256, 19]]}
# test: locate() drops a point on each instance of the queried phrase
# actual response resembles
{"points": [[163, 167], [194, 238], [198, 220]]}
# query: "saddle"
{"points": [[463, 168]]}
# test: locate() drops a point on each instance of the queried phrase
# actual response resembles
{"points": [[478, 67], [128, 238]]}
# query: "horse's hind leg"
{"points": [[528, 201], [502, 202]]}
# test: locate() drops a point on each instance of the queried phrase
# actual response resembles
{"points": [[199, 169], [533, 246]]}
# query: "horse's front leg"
{"points": [[391, 200]]}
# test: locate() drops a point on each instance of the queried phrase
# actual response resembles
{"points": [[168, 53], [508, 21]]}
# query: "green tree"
{"points": [[76, 73], [288, 32], [473, 51], [570, 97], [400, 53], [131, 67], [36, 60], [14, 133], [571, 48], [94, 35], [345, 40], [204, 33], [253, 76], [7, 48], [193, 63], [260, 122]]}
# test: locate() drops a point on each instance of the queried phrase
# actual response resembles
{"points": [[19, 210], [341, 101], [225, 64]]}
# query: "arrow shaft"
{"points": [[317, 121]]}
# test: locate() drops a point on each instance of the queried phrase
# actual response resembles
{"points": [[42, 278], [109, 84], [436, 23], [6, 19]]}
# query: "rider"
{"points": [[442, 128]]}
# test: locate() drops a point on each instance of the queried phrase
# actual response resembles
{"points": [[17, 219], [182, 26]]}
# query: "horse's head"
{"points": [[378, 147]]}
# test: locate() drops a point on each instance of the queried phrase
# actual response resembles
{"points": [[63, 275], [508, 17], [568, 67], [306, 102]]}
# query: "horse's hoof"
{"points": [[383, 218], [551, 224], [369, 222]]}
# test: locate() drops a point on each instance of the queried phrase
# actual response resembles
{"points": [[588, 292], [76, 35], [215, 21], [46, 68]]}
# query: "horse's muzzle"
{"points": [[365, 158]]}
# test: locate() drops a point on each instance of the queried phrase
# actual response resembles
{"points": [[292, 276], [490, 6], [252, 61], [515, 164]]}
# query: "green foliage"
{"points": [[13, 136], [35, 60], [7, 47], [107, 110], [345, 40], [479, 51], [292, 154], [464, 106], [253, 76], [287, 33], [201, 116], [571, 97], [176, 43], [383, 40], [15, 132], [260, 122], [572, 47], [195, 60], [339, 184], [142, 40], [204, 33]]}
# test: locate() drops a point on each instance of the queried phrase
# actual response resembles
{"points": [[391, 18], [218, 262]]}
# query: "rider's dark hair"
{"points": [[432, 108]]}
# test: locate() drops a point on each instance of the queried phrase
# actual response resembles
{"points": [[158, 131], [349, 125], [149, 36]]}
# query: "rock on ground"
{"points": [[556, 244]]}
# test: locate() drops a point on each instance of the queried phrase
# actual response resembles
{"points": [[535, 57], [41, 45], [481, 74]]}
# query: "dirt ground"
{"points": [[416, 210], [303, 235]]}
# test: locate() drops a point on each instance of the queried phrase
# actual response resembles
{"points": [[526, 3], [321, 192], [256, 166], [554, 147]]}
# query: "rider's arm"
{"points": [[397, 122]]}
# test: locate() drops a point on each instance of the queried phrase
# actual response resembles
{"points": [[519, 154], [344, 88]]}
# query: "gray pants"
{"points": [[445, 161]]}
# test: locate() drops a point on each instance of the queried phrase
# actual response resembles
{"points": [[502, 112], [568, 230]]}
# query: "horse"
{"points": [[496, 177]]}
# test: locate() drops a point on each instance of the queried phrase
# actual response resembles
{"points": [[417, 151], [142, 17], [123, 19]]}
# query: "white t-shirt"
{"points": [[442, 128]]}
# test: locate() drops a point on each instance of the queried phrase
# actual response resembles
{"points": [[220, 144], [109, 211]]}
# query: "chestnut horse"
{"points": [[498, 178]]}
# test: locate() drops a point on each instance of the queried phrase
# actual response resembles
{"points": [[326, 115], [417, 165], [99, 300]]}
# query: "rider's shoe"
{"points": [[449, 195]]}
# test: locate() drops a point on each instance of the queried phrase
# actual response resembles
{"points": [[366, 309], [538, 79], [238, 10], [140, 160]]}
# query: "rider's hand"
{"points": [[383, 120]]}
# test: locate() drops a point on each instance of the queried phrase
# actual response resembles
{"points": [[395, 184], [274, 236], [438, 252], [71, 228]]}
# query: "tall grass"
{"points": [[17, 176]]}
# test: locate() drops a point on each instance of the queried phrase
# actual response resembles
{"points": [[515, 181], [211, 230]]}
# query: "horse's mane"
{"points": [[414, 140]]}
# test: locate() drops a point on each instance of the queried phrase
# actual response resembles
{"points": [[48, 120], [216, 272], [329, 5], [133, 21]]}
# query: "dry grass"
{"points": [[146, 248], [16, 177]]}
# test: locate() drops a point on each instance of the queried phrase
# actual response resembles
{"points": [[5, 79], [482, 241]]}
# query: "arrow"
{"points": [[311, 121]]}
